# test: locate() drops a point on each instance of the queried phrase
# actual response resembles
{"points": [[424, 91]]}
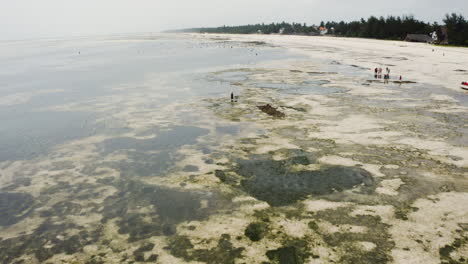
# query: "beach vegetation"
{"points": [[454, 30]]}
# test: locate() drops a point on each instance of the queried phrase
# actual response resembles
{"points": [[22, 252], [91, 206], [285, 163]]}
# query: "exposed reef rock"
{"points": [[270, 110]]}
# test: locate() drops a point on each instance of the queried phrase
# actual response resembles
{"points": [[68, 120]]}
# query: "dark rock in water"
{"points": [[223, 177], [402, 82], [275, 183], [284, 255], [14, 207], [270, 110], [224, 252], [256, 231]]}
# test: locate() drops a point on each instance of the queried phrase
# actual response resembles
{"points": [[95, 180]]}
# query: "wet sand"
{"points": [[355, 172]]}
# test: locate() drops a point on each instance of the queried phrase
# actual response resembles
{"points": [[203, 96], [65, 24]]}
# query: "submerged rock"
{"points": [[256, 231], [224, 252], [284, 255], [400, 82], [270, 110]]}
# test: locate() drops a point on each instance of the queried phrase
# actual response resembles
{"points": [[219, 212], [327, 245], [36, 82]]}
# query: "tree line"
{"points": [[391, 28]]}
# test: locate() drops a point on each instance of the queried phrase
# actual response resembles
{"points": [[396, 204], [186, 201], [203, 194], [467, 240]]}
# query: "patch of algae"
{"points": [[223, 252], [47, 240], [144, 211], [377, 233], [271, 181]]}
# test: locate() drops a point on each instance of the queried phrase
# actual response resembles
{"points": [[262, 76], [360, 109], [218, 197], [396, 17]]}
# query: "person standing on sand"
{"points": [[376, 71], [232, 97]]}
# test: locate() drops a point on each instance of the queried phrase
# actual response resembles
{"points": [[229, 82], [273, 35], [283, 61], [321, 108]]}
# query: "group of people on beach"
{"points": [[378, 74]]}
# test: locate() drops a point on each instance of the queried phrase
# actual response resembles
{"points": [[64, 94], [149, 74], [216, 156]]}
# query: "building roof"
{"points": [[419, 38]]}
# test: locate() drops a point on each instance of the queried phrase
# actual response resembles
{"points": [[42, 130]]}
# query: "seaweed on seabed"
{"points": [[270, 110]]}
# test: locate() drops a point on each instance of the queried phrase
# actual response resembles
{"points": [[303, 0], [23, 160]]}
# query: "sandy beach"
{"points": [[169, 170], [446, 66]]}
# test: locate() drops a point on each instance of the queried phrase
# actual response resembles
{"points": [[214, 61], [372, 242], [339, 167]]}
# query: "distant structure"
{"points": [[259, 32], [419, 38], [281, 31], [434, 36], [323, 30]]}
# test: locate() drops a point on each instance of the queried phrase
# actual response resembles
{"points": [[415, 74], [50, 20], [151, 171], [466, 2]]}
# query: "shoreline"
{"points": [[445, 66]]}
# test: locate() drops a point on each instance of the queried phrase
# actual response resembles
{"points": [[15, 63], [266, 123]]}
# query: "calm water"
{"points": [[39, 75], [96, 126]]}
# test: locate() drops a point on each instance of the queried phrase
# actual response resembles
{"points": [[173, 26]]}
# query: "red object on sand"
{"points": [[464, 85]]}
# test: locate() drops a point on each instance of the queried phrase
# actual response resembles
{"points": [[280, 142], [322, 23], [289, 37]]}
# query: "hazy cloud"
{"points": [[48, 18]]}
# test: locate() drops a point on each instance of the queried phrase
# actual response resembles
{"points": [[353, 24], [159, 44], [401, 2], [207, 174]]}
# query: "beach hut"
{"points": [[419, 38], [323, 30]]}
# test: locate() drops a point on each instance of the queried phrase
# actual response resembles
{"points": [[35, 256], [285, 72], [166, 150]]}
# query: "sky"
{"points": [[25, 19]]}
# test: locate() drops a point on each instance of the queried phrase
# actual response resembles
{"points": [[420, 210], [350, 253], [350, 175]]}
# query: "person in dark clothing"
{"points": [[232, 97]]}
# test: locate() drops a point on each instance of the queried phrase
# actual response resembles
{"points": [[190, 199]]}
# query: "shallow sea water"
{"points": [[127, 149]]}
